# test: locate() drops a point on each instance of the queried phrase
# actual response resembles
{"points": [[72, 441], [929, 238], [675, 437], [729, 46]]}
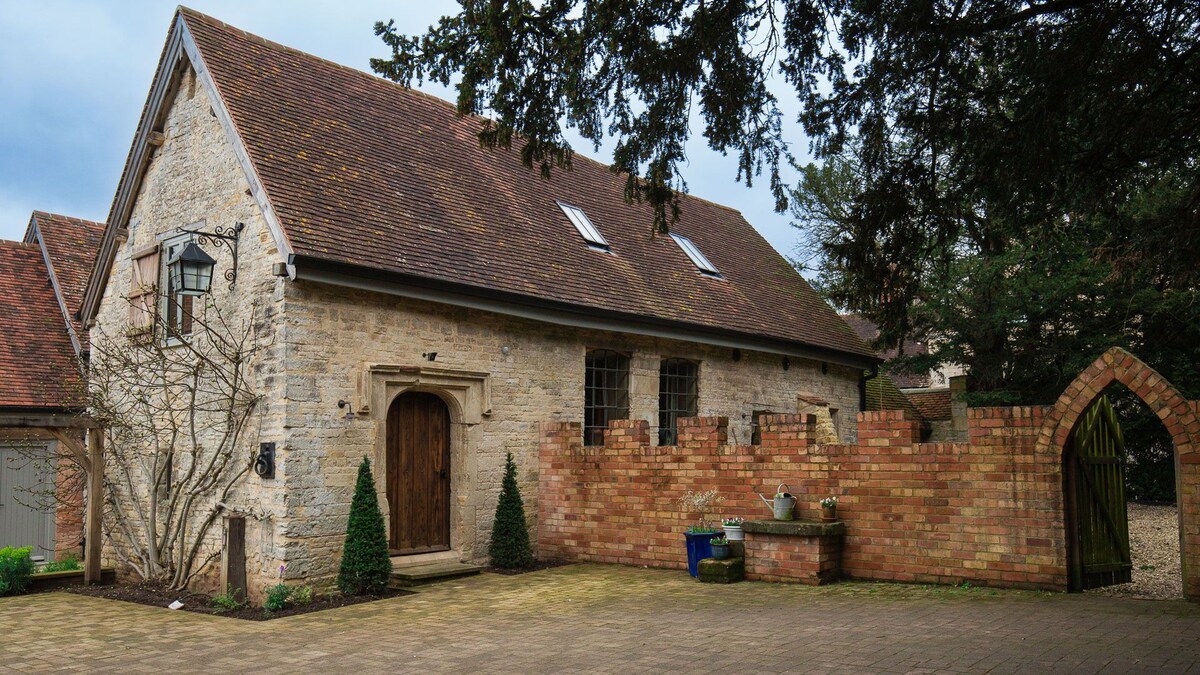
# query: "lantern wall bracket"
{"points": [[220, 236]]}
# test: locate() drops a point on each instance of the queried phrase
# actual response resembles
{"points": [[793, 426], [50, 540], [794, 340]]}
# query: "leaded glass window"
{"points": [[678, 396], [605, 393]]}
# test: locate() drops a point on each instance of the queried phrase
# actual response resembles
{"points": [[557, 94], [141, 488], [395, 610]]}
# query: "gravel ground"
{"points": [[1154, 545]]}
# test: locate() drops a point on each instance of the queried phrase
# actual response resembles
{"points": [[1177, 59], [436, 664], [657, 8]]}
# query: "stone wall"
{"points": [[195, 180], [335, 338], [988, 511]]}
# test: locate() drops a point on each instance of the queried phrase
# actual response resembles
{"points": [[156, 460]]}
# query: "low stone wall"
{"points": [[988, 511]]}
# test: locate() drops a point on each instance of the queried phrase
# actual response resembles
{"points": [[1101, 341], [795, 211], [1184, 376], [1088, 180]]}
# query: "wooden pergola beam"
{"points": [[43, 420]]}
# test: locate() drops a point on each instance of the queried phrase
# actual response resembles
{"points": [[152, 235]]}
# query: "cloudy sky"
{"points": [[74, 76]]}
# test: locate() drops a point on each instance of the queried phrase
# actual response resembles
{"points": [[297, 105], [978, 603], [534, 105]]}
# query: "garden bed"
{"points": [[53, 581], [158, 596]]}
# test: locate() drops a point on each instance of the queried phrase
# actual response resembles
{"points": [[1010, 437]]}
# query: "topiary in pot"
{"points": [[510, 534], [366, 565]]}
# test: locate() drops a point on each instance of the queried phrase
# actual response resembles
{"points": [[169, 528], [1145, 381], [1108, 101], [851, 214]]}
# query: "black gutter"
{"points": [[862, 386], [304, 263]]}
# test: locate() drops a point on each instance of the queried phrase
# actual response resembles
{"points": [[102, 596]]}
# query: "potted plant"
{"points": [[829, 509], [720, 548], [699, 535], [733, 529]]}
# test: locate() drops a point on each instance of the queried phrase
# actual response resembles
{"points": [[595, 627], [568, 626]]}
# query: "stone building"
{"points": [[427, 304]]}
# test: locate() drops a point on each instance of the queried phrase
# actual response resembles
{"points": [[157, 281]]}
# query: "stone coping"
{"points": [[794, 528]]}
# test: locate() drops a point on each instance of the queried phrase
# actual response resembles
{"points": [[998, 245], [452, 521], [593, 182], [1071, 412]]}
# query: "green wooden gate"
{"points": [[1097, 525]]}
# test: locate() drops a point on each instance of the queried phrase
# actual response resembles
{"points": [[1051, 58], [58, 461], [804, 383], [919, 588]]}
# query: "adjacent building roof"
{"points": [[883, 394], [869, 333], [378, 180], [69, 247], [38, 367], [933, 404]]}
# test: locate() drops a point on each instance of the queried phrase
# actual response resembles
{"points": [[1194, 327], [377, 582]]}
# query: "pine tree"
{"points": [[366, 565], [510, 534]]}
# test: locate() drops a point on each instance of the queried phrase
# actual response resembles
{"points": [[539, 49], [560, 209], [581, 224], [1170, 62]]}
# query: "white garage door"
{"points": [[26, 516]]}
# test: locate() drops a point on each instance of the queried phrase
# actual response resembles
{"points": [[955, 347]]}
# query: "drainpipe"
{"points": [[862, 386]]}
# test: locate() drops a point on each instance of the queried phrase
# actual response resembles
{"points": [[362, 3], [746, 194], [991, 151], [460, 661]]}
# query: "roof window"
{"points": [[693, 253], [586, 229]]}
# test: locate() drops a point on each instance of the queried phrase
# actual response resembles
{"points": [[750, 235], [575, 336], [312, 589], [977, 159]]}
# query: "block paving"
{"points": [[601, 618]]}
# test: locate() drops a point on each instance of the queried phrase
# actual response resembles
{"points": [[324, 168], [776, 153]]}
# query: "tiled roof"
{"points": [[933, 405], [365, 172], [883, 394], [37, 362], [72, 244], [869, 333]]}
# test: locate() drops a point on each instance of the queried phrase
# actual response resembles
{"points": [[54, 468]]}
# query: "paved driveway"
{"points": [[593, 618]]}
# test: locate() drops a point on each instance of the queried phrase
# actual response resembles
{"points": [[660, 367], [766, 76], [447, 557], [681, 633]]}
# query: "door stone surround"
{"points": [[467, 394]]}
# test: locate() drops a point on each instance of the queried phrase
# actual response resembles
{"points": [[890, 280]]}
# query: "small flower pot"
{"points": [[829, 514], [735, 533], [720, 551]]}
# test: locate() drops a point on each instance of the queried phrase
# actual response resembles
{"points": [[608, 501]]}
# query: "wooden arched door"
{"points": [[418, 473]]}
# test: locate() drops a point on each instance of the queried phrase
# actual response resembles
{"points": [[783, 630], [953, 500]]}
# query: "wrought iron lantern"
{"points": [[191, 270]]}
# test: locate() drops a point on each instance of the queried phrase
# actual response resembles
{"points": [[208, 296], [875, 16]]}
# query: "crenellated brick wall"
{"points": [[988, 511]]}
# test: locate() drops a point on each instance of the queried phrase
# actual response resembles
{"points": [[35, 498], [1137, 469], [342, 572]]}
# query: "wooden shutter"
{"points": [[143, 284]]}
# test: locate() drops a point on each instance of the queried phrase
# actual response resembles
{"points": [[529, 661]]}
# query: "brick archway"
{"points": [[1178, 415]]}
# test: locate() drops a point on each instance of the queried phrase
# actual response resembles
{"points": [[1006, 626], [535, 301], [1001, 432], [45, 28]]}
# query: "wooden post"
{"points": [[233, 557], [95, 506]]}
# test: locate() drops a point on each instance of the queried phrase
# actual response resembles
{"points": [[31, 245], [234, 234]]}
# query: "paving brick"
{"points": [[608, 618]]}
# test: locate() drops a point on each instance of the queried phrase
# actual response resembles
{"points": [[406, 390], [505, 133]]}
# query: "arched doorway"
{"points": [[418, 474], [1178, 415], [1098, 543]]}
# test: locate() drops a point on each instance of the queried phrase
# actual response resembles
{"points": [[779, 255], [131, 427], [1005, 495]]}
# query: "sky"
{"points": [[74, 77]]}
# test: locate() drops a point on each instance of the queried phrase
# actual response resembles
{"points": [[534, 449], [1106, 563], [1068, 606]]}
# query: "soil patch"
{"points": [[1154, 550], [537, 565], [158, 596]]}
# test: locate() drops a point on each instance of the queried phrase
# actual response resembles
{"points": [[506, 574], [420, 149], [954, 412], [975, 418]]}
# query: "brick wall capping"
{"points": [[794, 528]]}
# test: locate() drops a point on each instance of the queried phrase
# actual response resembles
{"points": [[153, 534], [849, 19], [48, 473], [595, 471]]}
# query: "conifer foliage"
{"points": [[510, 534], [366, 565]]}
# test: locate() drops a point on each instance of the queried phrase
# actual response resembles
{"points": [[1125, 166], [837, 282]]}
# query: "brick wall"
{"points": [[775, 557], [988, 511]]}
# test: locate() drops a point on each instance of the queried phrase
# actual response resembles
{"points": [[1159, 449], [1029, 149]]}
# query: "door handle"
{"points": [[443, 474]]}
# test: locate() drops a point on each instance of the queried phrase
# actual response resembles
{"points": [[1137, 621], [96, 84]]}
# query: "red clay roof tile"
{"points": [[366, 172], [37, 362], [933, 405], [72, 244]]}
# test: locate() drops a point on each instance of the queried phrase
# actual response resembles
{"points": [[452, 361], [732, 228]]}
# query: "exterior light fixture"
{"points": [[191, 269], [345, 405]]}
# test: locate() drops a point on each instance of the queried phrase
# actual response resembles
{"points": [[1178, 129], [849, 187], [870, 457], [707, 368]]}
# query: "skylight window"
{"points": [[586, 229], [693, 253]]}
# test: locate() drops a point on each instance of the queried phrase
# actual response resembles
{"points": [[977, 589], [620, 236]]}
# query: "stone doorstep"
{"points": [[429, 572], [794, 528]]}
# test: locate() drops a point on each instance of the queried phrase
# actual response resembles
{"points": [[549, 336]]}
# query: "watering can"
{"points": [[783, 506]]}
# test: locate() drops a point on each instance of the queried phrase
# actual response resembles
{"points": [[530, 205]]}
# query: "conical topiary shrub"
{"points": [[510, 534], [366, 566]]}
